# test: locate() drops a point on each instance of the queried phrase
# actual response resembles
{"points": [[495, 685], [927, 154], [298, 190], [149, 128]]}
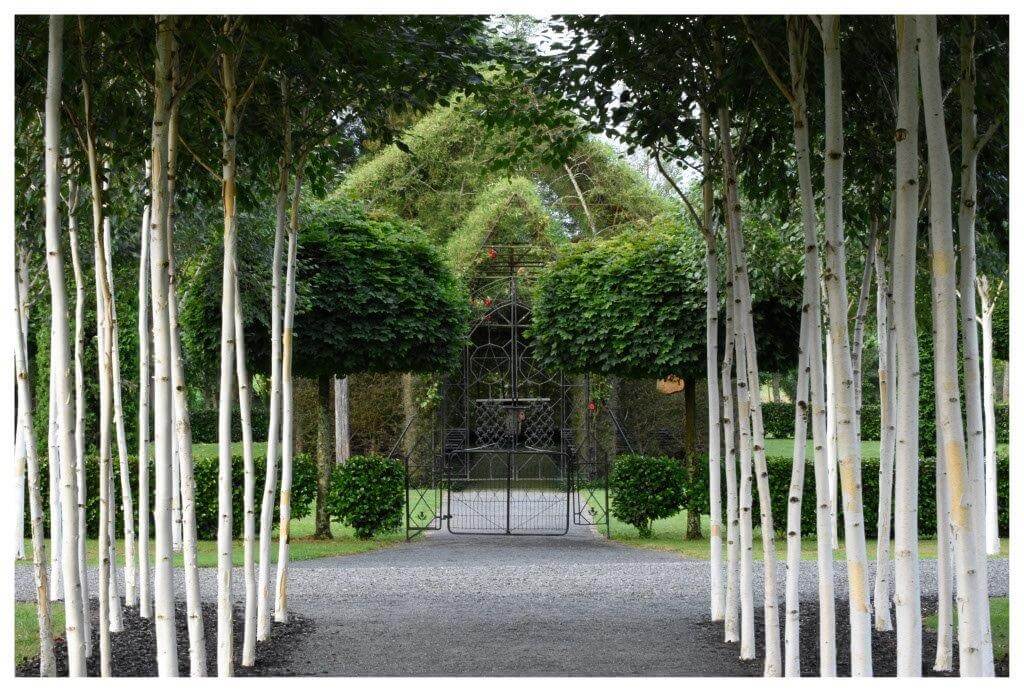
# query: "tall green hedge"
{"points": [[780, 471], [778, 421], [205, 424], [205, 469]]}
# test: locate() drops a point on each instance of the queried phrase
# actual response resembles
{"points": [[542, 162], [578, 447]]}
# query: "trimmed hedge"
{"points": [[780, 471], [205, 469], [205, 424], [779, 420]]}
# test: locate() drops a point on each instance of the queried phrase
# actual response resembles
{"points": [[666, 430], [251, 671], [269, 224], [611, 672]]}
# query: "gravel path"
{"points": [[511, 605]]}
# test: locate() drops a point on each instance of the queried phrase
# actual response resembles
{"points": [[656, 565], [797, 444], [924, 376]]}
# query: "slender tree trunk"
{"points": [[793, 508], [182, 454], [167, 650], [53, 458], [127, 503], [324, 463], [582, 200], [862, 313], [145, 380], [733, 529], [273, 432], [225, 615], [831, 448], [887, 401], [107, 328], [20, 453], [711, 357], [974, 441], [847, 424], [988, 396], [944, 567], [745, 344], [59, 364], [47, 663], [906, 566], [287, 429], [797, 41], [972, 592], [76, 265], [249, 493], [342, 448]]}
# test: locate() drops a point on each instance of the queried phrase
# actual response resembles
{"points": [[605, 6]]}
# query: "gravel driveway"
{"points": [[511, 605]]}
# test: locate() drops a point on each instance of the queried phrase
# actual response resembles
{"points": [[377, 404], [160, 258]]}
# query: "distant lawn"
{"points": [[209, 450], [667, 534], [999, 612], [303, 545], [26, 628]]}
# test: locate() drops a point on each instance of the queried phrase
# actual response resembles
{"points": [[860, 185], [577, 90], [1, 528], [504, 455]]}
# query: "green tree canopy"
{"points": [[373, 295]]}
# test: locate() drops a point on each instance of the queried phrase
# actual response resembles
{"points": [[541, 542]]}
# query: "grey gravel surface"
{"points": [[510, 605]]}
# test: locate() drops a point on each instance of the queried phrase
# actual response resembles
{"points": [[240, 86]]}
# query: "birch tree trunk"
{"points": [[711, 357], [887, 404], [273, 433], [972, 592], [47, 663], [20, 453], [53, 459], [182, 454], [59, 364], [745, 344], [793, 508], [145, 375], [127, 503], [988, 301], [76, 265], [974, 435], [105, 588], [944, 567], [733, 529], [225, 615], [287, 400], [847, 424], [906, 566], [167, 650], [860, 317], [831, 449], [797, 40], [249, 492], [342, 449]]}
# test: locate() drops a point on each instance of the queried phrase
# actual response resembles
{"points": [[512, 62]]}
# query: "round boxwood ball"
{"points": [[368, 494]]}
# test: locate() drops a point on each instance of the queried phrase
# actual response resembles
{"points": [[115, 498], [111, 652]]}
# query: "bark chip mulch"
{"points": [[133, 651]]}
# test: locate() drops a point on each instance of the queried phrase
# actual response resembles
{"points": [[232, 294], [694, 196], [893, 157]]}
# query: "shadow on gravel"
{"points": [[883, 646], [133, 651]]}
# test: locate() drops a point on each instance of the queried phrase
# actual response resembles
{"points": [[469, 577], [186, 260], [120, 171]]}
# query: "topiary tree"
{"points": [[368, 494], [372, 295], [647, 488]]}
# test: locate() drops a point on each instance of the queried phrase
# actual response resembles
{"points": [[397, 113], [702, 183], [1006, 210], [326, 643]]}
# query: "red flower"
{"points": [[487, 302], [492, 253], [592, 406]]}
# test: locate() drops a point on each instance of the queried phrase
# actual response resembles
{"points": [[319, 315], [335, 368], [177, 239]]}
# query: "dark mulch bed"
{"points": [[883, 645], [134, 650]]}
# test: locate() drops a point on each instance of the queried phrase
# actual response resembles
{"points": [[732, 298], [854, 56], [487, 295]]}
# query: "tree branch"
{"points": [[767, 65], [682, 195]]}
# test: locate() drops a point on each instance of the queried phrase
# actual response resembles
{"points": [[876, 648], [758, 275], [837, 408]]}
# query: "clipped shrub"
{"points": [[780, 470], [368, 494], [205, 424], [647, 488]]}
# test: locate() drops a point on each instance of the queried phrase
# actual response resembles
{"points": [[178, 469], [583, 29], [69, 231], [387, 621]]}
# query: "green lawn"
{"points": [[26, 628], [303, 545], [209, 450], [999, 612], [667, 534]]}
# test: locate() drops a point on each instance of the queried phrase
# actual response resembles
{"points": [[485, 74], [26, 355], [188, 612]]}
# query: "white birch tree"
{"points": [[972, 593], [989, 296], [59, 362], [145, 382], [887, 406]]}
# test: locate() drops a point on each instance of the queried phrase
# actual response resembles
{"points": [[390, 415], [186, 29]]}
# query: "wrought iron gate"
{"points": [[513, 449]]}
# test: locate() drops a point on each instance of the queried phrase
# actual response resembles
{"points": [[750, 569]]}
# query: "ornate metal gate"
{"points": [[513, 449]]}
